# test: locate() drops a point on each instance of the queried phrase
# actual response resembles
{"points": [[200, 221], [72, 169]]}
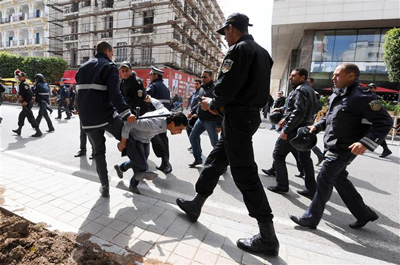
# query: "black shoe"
{"points": [[358, 224], [303, 222], [91, 156], [67, 118], [276, 189], [162, 166], [80, 153], [51, 111], [269, 172], [306, 193], [301, 175], [134, 189], [50, 130], [192, 208], [320, 160], [104, 191], [385, 153], [57, 118], [120, 173], [168, 168], [265, 242], [37, 134], [190, 148], [195, 163], [17, 131]]}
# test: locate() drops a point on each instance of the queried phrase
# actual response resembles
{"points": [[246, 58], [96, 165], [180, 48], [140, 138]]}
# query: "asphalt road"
{"points": [[376, 179]]}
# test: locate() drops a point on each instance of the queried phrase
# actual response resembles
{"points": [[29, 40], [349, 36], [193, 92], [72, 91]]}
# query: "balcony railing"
{"points": [[106, 34], [24, 42]]}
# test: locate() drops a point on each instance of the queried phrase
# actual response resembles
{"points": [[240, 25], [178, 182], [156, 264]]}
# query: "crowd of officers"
{"points": [[355, 122]]}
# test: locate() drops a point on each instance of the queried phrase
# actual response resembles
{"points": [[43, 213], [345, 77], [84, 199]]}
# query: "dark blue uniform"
{"points": [[160, 144], [354, 115], [99, 100], [134, 94], [63, 94], [26, 93], [42, 94]]}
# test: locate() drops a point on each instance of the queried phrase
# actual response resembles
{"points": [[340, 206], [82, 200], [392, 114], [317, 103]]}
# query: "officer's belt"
{"points": [[164, 100], [92, 86], [239, 108]]}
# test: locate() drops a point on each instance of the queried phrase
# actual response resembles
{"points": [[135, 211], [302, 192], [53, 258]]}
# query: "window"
{"points": [[148, 19], [74, 27], [75, 7], [147, 53], [108, 3], [122, 52]]}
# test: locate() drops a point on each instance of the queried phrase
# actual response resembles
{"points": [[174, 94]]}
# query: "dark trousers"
{"points": [[318, 152], [296, 156], [26, 112], [66, 109], [282, 149], [43, 113], [82, 137], [138, 154], [98, 141], [161, 146], [235, 147], [333, 174]]}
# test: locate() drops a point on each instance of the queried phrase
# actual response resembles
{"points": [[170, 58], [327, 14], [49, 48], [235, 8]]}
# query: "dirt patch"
{"points": [[26, 243]]}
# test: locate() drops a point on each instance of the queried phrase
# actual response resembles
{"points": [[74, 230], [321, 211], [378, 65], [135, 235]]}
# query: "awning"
{"points": [[69, 76]]}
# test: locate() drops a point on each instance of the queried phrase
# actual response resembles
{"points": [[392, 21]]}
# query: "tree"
{"points": [[391, 54], [9, 63], [52, 67]]}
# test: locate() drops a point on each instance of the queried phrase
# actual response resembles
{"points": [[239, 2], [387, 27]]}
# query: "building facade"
{"points": [[319, 35], [180, 34], [24, 27]]}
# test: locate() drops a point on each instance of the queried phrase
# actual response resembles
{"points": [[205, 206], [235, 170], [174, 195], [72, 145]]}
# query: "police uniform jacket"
{"points": [[25, 92], [63, 94], [206, 90], [42, 92], [134, 93], [354, 115], [98, 93], [72, 95], [300, 108], [160, 91], [244, 79]]}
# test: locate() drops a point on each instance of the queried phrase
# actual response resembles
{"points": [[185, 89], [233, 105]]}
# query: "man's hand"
{"points": [[190, 115], [24, 103], [281, 123], [122, 145], [276, 110], [204, 103], [131, 119], [357, 148], [147, 99], [284, 136], [312, 128]]}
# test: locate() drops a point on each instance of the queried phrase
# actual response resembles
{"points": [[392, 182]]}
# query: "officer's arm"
{"points": [[297, 116], [150, 90], [28, 93], [372, 110], [112, 81], [236, 66]]}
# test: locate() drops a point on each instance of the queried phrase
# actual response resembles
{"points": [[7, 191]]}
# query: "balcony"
{"points": [[107, 34]]}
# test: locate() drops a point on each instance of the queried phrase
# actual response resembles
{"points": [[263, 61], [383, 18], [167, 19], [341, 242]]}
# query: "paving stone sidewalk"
{"points": [[146, 226]]}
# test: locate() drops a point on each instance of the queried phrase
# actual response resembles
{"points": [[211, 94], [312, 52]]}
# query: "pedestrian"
{"points": [[278, 103], [25, 99], [158, 90], [316, 150], [206, 121], [266, 109], [242, 90], [386, 151], [136, 139], [99, 101], [300, 110], [63, 100], [72, 97], [348, 133], [42, 95], [193, 102]]}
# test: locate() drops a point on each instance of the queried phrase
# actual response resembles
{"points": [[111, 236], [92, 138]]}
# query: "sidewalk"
{"points": [[155, 229]]}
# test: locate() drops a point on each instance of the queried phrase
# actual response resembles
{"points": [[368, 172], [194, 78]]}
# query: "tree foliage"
{"points": [[51, 67], [391, 54]]}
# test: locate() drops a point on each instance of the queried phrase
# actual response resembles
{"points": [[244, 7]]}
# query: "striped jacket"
{"points": [[99, 97]]}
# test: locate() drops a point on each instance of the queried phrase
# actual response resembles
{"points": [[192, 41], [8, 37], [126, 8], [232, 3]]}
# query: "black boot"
{"points": [[264, 242], [38, 133], [192, 208], [386, 152], [18, 131]]}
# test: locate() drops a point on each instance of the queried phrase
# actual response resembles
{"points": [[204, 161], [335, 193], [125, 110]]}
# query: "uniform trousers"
{"points": [[318, 152], [64, 104], [235, 148], [98, 141], [333, 174], [282, 149], [161, 146], [43, 113], [26, 112]]}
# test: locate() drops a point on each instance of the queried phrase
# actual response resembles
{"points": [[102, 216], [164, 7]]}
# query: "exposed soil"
{"points": [[26, 243]]}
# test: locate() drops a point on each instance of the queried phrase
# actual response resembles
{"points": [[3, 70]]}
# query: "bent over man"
{"points": [[242, 89]]}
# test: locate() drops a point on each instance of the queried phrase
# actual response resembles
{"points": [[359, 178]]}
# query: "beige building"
{"points": [[165, 33], [320, 34], [24, 27]]}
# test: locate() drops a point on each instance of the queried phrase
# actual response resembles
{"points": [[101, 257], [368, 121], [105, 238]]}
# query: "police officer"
{"points": [[42, 94], [242, 90], [72, 97], [132, 89], [63, 100], [99, 98], [158, 90], [25, 98], [348, 133], [300, 110]]}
